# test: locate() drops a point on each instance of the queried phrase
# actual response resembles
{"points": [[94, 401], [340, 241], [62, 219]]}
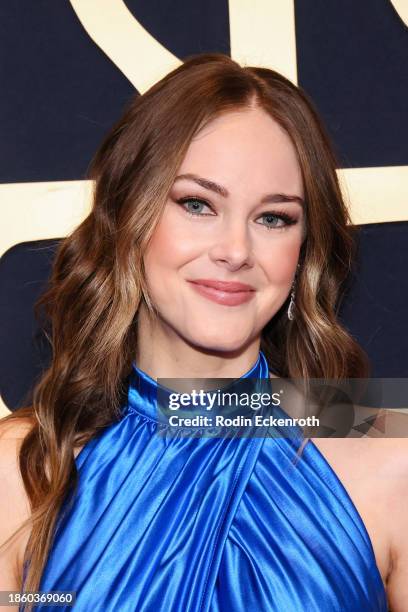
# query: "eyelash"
{"points": [[286, 218]]}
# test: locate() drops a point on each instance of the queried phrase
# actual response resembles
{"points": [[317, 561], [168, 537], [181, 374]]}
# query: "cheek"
{"points": [[169, 248], [280, 260]]}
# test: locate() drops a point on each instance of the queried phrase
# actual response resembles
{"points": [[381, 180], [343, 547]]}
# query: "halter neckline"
{"points": [[144, 390]]}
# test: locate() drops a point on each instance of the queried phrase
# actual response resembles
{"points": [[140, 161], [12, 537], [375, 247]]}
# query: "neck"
{"points": [[162, 353]]}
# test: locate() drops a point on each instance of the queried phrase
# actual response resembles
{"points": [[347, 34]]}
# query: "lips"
{"points": [[221, 292], [228, 286]]}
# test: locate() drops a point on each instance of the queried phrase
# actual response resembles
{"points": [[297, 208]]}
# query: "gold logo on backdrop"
{"points": [[401, 6], [261, 33]]}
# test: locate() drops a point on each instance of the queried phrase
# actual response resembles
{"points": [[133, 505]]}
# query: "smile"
{"points": [[231, 297]]}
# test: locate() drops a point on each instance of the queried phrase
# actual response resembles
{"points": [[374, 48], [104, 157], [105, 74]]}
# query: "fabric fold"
{"points": [[297, 541], [182, 524]]}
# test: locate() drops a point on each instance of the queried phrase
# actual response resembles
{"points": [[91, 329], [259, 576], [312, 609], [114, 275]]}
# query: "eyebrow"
{"points": [[271, 198]]}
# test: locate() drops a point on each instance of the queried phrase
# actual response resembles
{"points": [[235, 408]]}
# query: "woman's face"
{"points": [[234, 215]]}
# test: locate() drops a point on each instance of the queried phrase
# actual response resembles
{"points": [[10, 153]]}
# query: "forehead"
{"points": [[245, 147]]}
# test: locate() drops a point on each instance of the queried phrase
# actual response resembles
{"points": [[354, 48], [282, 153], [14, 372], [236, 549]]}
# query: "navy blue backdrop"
{"points": [[63, 93]]}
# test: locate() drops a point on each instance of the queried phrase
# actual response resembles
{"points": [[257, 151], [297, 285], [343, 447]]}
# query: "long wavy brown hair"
{"points": [[98, 282]]}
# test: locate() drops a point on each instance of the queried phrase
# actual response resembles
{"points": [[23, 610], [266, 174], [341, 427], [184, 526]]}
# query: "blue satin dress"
{"points": [[184, 524]]}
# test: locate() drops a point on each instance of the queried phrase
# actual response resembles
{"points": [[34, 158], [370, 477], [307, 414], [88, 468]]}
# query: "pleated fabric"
{"points": [[184, 524]]}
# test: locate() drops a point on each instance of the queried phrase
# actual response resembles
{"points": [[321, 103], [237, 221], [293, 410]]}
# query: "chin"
{"points": [[219, 340]]}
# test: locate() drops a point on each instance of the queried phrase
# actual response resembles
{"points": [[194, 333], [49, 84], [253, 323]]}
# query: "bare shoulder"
{"points": [[14, 428], [383, 459], [394, 471], [14, 505], [375, 473], [12, 434]]}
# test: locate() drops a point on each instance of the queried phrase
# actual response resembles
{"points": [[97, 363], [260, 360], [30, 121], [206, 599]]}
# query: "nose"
{"points": [[231, 246]]}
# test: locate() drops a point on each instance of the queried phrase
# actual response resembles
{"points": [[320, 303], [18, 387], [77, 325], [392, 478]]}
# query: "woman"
{"points": [[216, 247]]}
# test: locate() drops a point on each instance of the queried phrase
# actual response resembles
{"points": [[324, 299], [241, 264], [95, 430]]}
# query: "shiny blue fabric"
{"points": [[178, 524]]}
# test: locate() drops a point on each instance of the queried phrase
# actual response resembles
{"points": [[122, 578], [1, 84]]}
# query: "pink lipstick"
{"points": [[223, 292]]}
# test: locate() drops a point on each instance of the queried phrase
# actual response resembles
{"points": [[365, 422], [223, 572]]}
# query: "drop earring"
{"points": [[291, 307]]}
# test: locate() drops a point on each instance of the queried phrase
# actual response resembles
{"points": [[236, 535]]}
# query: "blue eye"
{"points": [[272, 220], [193, 206]]}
